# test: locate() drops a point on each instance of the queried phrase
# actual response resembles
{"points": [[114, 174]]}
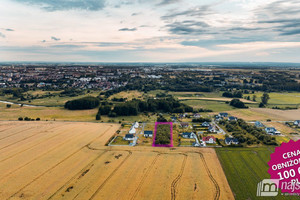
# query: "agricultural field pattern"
{"points": [[68, 160]]}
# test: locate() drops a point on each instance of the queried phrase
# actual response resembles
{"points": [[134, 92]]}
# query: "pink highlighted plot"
{"points": [[156, 133]]}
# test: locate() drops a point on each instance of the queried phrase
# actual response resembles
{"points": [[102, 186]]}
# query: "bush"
{"points": [[38, 119], [112, 114], [8, 106], [20, 118], [161, 119], [237, 103], [82, 104], [98, 117], [261, 105]]}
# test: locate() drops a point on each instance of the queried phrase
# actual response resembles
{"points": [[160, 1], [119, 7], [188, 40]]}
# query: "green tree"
{"points": [[254, 98], [265, 98], [98, 116]]}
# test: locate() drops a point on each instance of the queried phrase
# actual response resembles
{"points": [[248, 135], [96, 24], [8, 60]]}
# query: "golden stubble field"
{"points": [[65, 160]]}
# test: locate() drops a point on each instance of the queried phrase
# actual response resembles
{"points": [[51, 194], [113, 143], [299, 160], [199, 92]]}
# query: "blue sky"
{"points": [[150, 31]]}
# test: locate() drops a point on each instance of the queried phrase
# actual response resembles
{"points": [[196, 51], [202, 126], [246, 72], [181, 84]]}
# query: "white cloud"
{"points": [[216, 28]]}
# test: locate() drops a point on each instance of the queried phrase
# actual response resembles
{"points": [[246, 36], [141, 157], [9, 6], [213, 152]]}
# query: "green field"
{"points": [[216, 106], [48, 101], [186, 94], [292, 98], [245, 168]]}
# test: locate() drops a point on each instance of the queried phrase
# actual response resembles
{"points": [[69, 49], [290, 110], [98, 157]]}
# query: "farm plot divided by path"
{"points": [[57, 160]]}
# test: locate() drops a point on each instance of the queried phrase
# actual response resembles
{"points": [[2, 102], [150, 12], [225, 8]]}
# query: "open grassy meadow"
{"points": [[68, 160], [245, 168], [285, 98], [215, 106], [129, 95], [50, 101], [46, 113]]}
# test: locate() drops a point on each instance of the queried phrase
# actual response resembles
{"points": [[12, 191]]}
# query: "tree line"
{"points": [[135, 106], [82, 103]]}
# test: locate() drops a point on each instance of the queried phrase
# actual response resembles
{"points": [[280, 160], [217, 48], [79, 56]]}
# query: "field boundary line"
{"points": [[15, 133], [235, 170]]}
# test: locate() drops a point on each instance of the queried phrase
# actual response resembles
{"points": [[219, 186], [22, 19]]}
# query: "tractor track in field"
{"points": [[40, 156], [15, 133], [3, 130], [213, 180], [111, 175], [145, 176], [55, 164], [25, 130], [176, 180], [24, 138]]}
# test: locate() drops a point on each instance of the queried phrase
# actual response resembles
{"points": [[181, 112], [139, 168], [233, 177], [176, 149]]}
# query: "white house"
{"points": [[205, 124], [297, 122], [209, 139], [189, 135], [132, 130], [136, 125]]}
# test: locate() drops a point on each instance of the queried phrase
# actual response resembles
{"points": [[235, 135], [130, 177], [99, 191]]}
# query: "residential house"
{"points": [[223, 114], [148, 134], [136, 125], [184, 124], [272, 131], [174, 119], [230, 141], [132, 130], [297, 122], [258, 124], [218, 117], [205, 124], [209, 140], [129, 137], [197, 115], [231, 118], [189, 135], [212, 129]]}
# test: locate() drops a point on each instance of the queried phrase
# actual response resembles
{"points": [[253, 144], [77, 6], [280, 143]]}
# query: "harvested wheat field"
{"points": [[64, 160]]}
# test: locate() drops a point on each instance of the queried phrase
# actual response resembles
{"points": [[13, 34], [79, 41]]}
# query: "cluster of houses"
{"points": [[210, 128], [131, 133], [203, 142], [225, 115], [269, 130], [184, 115]]}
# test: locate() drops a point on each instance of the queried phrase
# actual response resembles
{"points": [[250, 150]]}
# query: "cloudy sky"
{"points": [[150, 31]]}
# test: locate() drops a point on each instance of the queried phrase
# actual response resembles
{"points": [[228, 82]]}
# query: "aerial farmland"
{"points": [[69, 160]]}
